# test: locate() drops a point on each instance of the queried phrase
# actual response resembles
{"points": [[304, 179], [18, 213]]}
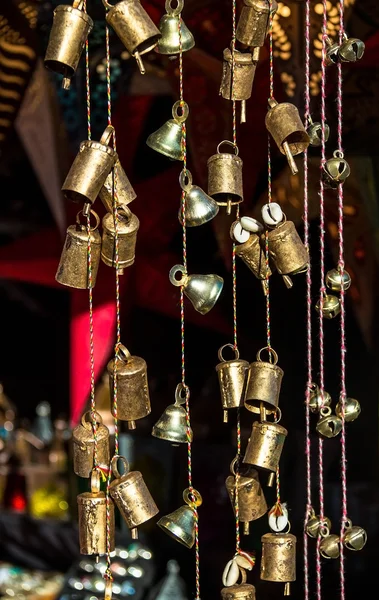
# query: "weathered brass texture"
{"points": [[287, 250], [337, 281], [332, 52], [314, 130], [202, 290], [169, 43], [225, 177], [335, 171], [331, 306], [351, 49], [251, 500], [167, 139], [180, 524], [253, 256], [199, 207], [328, 425], [84, 444], [264, 380], [92, 512], [172, 426], [315, 524], [117, 180], [351, 409], [253, 23], [127, 228], [355, 537], [231, 378], [242, 591], [265, 445], [242, 84], [330, 546], [278, 557]]}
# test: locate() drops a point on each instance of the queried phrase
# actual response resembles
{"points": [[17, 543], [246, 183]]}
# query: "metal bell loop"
{"points": [[318, 398], [355, 537], [328, 425], [335, 171], [202, 290], [225, 177], [172, 426], [336, 281], [167, 139], [331, 306], [315, 523], [180, 524], [171, 42], [232, 379], [314, 130], [351, 49], [330, 546], [199, 207], [349, 410]]}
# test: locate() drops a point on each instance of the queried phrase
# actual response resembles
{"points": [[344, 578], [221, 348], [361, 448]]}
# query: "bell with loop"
{"points": [[284, 124], [225, 177], [232, 379], [92, 513], [335, 171], [254, 22], [69, 33], [330, 546], [180, 524], [134, 27], [331, 306], [314, 130], [318, 398], [278, 561], [328, 425], [127, 228], [202, 290], [336, 281], [355, 537], [253, 255], [265, 447], [172, 426], [239, 591], [199, 207], [332, 52], [264, 380], [167, 139], [169, 43], [117, 189], [252, 503], [351, 49], [240, 87], [287, 250], [315, 523], [131, 496], [133, 399], [349, 410], [84, 445], [73, 269]]}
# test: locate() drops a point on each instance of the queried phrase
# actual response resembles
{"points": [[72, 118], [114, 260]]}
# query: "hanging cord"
{"points": [[269, 189]]}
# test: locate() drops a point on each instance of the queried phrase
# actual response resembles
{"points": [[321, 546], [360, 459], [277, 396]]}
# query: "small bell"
{"points": [[84, 445], [254, 22], [70, 30], [168, 139], [314, 130], [133, 400], [92, 516], [264, 380], [241, 591], [117, 181], [265, 446], [134, 27], [332, 52], [328, 425], [232, 379], [355, 537], [225, 177], [330, 546], [331, 306], [351, 409], [337, 281], [169, 43], [287, 250], [73, 268], [131, 496], [199, 207], [318, 399], [251, 500], [335, 171], [351, 49], [279, 559], [253, 255], [202, 290], [240, 87], [172, 426], [315, 524], [127, 228], [180, 524]]}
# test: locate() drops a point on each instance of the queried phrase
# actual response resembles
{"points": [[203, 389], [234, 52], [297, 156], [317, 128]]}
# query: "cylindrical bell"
{"points": [[351, 409], [278, 558], [265, 445], [337, 281], [331, 306], [92, 513], [202, 290], [351, 49], [172, 426], [254, 20], [254, 257], [330, 546], [199, 207], [315, 523], [242, 591], [117, 181], [251, 500], [264, 380], [318, 399], [328, 425], [167, 139], [287, 250], [232, 379], [169, 28], [127, 228], [133, 400], [240, 86], [355, 537], [314, 130], [180, 524], [70, 30], [131, 496], [225, 177], [335, 171], [134, 27], [84, 445], [73, 268]]}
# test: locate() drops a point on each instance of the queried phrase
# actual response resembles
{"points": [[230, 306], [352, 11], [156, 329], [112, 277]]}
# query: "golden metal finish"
{"points": [[330, 546], [337, 281], [180, 524], [335, 171], [172, 426], [352, 409], [167, 139], [125, 193], [314, 130], [202, 290], [244, 71], [84, 444], [265, 445], [127, 228], [287, 250], [328, 425], [92, 511], [355, 537], [253, 255], [264, 380], [253, 24], [242, 591], [278, 558], [169, 28], [225, 177], [315, 524], [251, 500], [351, 49], [231, 378], [317, 399], [331, 306], [199, 207]]}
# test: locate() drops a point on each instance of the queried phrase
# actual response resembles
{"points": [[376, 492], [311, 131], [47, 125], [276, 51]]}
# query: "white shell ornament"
{"points": [[238, 233], [231, 573], [244, 560], [278, 522], [272, 214], [251, 224]]}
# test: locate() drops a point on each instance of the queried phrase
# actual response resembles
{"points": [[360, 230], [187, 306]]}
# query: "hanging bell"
{"points": [[168, 139], [355, 537], [240, 86], [351, 49], [70, 30], [225, 177], [337, 281], [134, 27], [131, 496], [169, 43], [284, 124], [127, 228], [254, 22], [265, 446], [330, 546], [73, 268], [240, 591], [314, 130], [279, 559], [328, 425], [84, 445], [318, 399], [331, 306], [172, 426], [253, 255], [202, 290], [231, 378], [251, 500], [92, 516], [332, 52], [133, 400], [180, 524], [335, 171], [199, 207], [287, 250], [264, 380], [117, 189], [315, 523], [350, 408]]}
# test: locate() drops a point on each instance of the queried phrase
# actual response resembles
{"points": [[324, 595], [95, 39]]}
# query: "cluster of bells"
{"points": [[330, 425], [353, 537]]}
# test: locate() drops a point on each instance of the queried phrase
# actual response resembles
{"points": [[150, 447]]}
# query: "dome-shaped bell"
{"points": [[355, 537], [167, 139], [331, 306], [352, 409], [315, 524], [318, 399], [180, 524], [172, 426], [202, 290], [337, 281], [351, 49], [314, 130], [330, 546], [169, 28], [332, 52], [199, 207], [335, 170]]}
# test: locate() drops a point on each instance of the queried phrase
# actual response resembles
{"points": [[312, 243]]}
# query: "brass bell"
{"points": [[318, 399], [131, 496], [70, 30], [73, 266], [168, 139], [287, 250], [265, 446], [284, 124], [264, 380], [172, 426], [332, 52], [314, 130], [315, 524], [337, 281], [351, 49], [170, 42], [133, 400], [202, 290], [254, 22], [127, 228], [351, 409], [328, 425], [232, 379], [134, 27], [240, 86], [199, 207], [335, 171], [254, 257], [180, 524], [279, 559], [240, 591], [84, 445], [92, 516], [251, 500], [355, 537], [225, 177], [117, 189], [330, 546], [331, 306]]}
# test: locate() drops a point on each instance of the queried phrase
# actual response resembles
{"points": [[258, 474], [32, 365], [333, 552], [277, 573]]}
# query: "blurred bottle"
{"points": [[43, 427]]}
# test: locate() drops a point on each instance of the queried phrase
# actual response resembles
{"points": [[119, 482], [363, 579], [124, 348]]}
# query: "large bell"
{"points": [[168, 139], [180, 524], [202, 290], [172, 426], [199, 207], [169, 28]]}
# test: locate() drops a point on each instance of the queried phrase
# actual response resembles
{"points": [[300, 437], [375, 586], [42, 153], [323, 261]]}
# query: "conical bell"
{"points": [[202, 290], [172, 426], [199, 207], [180, 524], [168, 139], [169, 28]]}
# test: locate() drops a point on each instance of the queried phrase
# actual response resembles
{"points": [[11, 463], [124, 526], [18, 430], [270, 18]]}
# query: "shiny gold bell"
{"points": [[332, 52], [240, 87], [287, 250], [251, 500], [131, 496], [225, 177], [284, 124], [253, 255], [335, 171], [170, 42], [331, 306], [315, 524], [134, 27], [180, 524], [202, 290], [328, 425], [265, 447], [117, 189], [318, 398], [314, 130], [279, 559], [167, 139], [70, 30], [351, 49], [240, 591], [350, 408], [264, 380], [127, 228], [355, 537], [199, 207], [254, 22], [84, 445], [330, 546], [172, 426], [232, 379], [73, 269], [92, 513], [337, 281], [133, 399]]}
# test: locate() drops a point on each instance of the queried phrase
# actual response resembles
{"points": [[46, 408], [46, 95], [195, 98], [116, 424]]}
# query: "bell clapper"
{"points": [[229, 207], [131, 425], [288, 281], [86, 209], [287, 589], [66, 83], [97, 558], [271, 480], [134, 533], [140, 64], [246, 528], [263, 411], [225, 416], [120, 271], [290, 159], [243, 112]]}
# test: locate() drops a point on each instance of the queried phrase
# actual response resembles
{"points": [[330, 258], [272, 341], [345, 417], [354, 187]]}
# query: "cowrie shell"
{"points": [[238, 233], [278, 523], [244, 562], [231, 573], [251, 224], [272, 214]]}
